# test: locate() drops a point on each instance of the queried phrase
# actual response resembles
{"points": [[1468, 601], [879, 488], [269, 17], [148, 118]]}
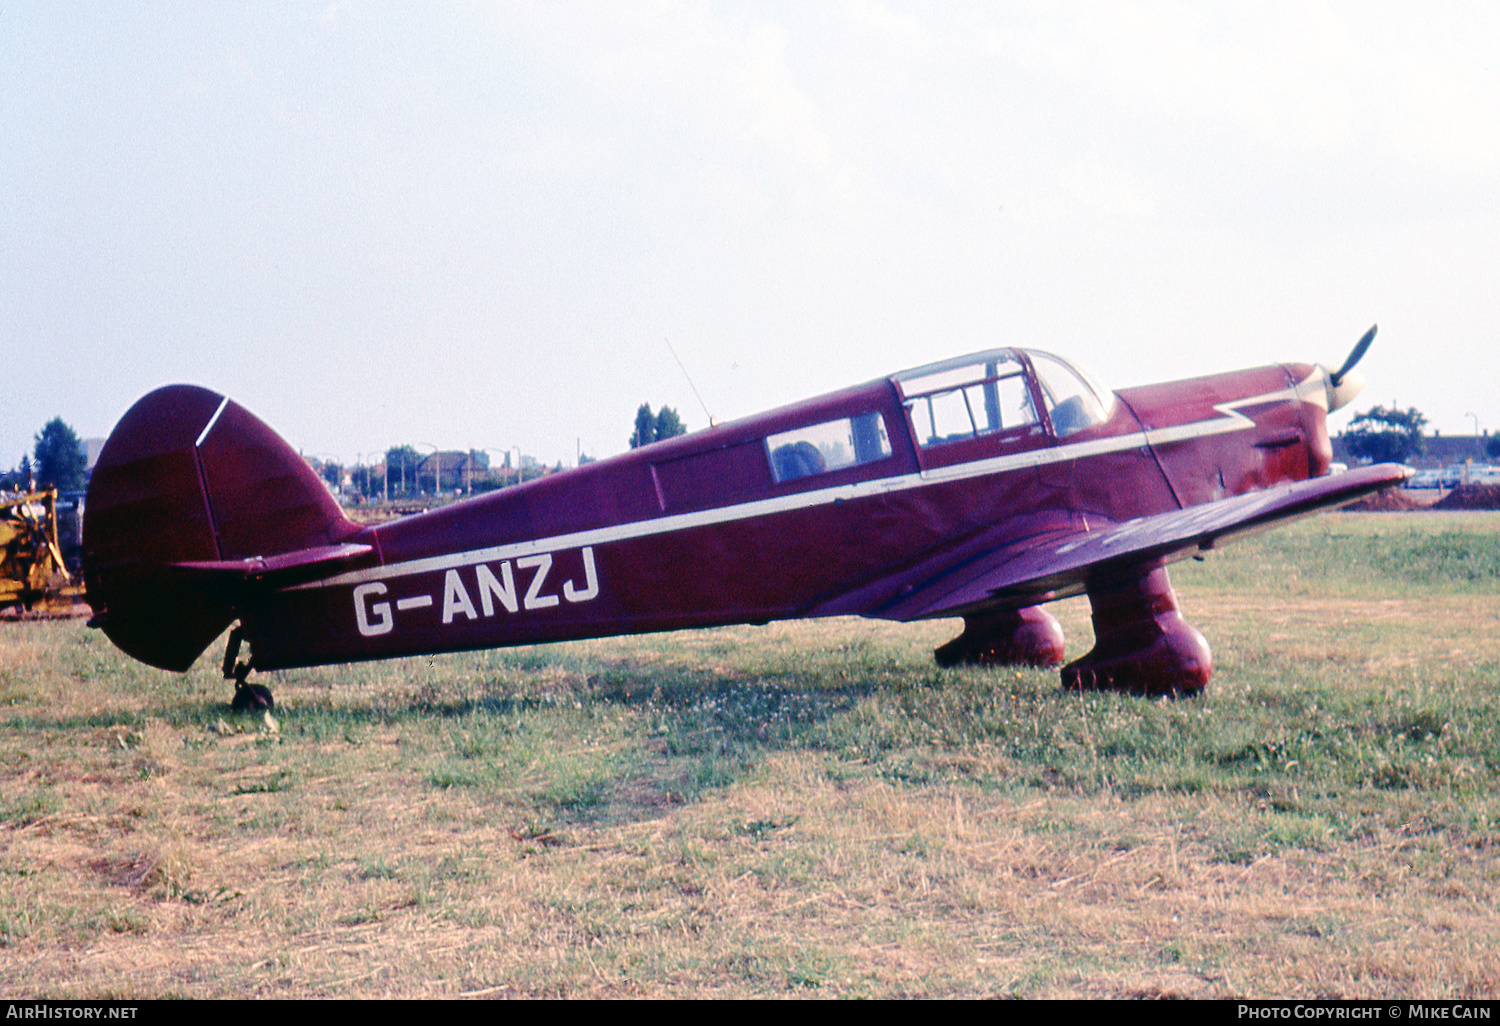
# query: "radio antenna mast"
{"points": [[710, 416]]}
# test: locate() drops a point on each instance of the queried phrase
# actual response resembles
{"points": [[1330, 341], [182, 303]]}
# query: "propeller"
{"points": [[1337, 377], [1345, 383]]}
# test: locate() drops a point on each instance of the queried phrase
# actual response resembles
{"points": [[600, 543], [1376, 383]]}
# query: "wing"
{"points": [[1061, 564]]}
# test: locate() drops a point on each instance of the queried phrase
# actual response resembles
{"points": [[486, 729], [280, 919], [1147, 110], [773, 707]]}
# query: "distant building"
{"points": [[458, 470]]}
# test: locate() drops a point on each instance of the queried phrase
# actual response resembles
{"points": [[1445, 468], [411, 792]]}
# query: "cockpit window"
{"points": [[965, 398], [832, 445], [1074, 401]]}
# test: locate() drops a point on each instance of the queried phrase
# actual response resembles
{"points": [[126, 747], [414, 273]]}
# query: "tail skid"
{"points": [[192, 497]]}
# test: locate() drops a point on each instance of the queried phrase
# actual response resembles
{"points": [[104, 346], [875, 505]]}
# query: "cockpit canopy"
{"points": [[996, 391]]}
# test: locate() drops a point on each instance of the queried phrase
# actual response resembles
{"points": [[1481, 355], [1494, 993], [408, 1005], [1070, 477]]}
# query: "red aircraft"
{"points": [[979, 487]]}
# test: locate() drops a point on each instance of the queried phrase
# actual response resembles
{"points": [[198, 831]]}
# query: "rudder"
{"points": [[190, 476]]}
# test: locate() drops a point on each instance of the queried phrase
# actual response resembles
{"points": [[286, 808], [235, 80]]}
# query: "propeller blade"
{"points": [[1355, 356]]}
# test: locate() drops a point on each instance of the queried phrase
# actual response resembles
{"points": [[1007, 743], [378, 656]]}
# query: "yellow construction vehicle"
{"points": [[33, 576]]}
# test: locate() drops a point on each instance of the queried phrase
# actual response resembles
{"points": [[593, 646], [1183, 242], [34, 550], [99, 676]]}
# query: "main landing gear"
{"points": [[247, 697], [1142, 645], [1030, 636]]}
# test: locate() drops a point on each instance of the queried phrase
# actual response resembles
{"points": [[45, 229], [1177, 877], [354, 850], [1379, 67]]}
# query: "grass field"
{"points": [[806, 809]]}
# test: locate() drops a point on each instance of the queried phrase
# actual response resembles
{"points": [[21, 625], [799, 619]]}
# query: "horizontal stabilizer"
{"points": [[1063, 565], [287, 568]]}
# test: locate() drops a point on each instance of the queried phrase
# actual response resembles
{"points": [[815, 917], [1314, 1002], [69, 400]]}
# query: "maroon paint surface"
{"points": [[200, 515]]}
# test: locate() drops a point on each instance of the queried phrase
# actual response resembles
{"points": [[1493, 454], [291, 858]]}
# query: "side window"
{"points": [[976, 399], [1015, 401], [948, 416], [831, 445]]}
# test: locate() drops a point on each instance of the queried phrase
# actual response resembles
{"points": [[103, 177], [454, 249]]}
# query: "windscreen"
{"points": [[1074, 402]]}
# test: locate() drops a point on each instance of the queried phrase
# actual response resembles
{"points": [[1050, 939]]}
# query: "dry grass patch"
{"points": [[802, 809]]}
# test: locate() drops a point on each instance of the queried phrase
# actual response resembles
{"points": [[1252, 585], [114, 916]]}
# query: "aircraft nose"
{"points": [[1343, 393]]}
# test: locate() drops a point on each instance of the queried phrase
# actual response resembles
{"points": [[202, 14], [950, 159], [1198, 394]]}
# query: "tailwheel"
{"points": [[248, 698]]}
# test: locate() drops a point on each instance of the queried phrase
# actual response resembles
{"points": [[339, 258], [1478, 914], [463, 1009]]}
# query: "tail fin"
{"points": [[188, 476]]}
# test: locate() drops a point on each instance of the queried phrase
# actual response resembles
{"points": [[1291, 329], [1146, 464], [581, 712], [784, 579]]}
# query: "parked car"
{"points": [[1451, 476]]}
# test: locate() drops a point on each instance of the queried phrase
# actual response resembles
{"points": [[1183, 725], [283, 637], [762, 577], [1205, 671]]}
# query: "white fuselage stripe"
{"points": [[1232, 420]]}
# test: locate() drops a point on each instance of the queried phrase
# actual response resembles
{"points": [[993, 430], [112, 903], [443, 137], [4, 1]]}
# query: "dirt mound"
{"points": [[1392, 500], [1471, 496]]}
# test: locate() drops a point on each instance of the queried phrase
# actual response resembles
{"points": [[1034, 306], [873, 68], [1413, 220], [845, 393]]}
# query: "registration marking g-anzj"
{"points": [[374, 616]]}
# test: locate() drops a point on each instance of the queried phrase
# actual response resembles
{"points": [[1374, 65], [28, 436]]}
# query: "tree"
{"points": [[1383, 435], [1492, 446], [332, 473], [648, 428], [645, 427], [60, 459], [401, 468], [668, 424], [18, 479], [366, 481]]}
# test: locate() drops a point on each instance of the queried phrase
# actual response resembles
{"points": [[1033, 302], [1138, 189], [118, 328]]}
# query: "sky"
{"points": [[482, 226]]}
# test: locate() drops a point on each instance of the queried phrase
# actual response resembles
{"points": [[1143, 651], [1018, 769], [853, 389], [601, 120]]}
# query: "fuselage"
{"points": [[848, 503]]}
